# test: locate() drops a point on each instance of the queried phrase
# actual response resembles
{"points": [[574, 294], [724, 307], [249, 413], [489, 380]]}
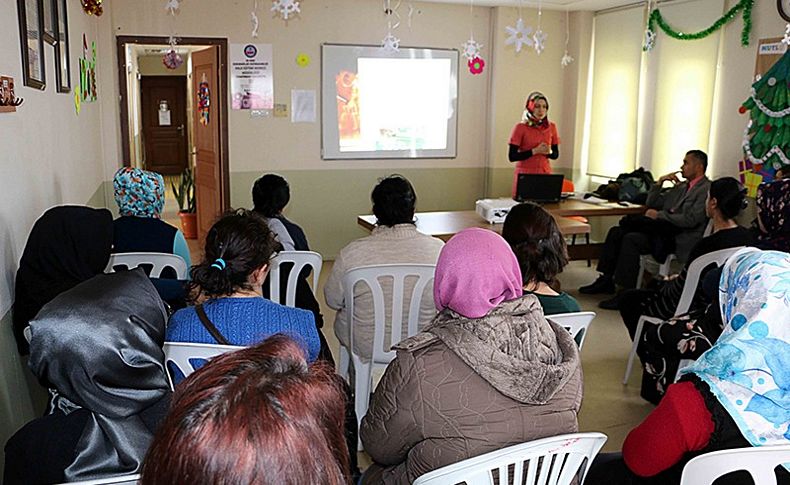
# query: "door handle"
{"points": [[181, 129]]}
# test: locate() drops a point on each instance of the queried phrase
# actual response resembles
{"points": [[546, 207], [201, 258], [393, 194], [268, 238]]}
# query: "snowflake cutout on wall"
{"points": [[566, 59], [471, 48], [539, 38], [519, 35], [390, 43], [285, 8]]}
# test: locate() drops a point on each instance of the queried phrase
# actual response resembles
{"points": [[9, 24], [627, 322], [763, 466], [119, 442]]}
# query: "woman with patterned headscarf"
{"points": [[733, 396], [535, 140], [140, 196]]}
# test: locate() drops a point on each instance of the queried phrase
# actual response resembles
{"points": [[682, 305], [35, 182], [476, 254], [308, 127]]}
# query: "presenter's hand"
{"points": [[651, 213], [542, 149]]}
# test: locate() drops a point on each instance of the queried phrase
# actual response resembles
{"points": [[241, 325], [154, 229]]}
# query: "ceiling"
{"points": [[593, 5]]}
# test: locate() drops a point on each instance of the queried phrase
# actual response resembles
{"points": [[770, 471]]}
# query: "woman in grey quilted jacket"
{"points": [[488, 372]]}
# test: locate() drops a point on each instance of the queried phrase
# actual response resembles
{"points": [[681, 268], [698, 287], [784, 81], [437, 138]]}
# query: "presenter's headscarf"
{"points": [[139, 192], [529, 109], [67, 245], [476, 271], [99, 345], [748, 369]]}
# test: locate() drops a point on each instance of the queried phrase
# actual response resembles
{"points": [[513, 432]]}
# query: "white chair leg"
{"points": [[632, 353], [343, 363], [361, 393], [640, 276]]}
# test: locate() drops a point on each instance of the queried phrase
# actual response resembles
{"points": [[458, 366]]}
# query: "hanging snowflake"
{"points": [[285, 8], [519, 35], [471, 48], [650, 41], [390, 43], [566, 59], [786, 38], [172, 6], [539, 38]]}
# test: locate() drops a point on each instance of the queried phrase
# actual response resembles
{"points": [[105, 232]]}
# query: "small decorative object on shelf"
{"points": [[8, 102], [185, 196]]}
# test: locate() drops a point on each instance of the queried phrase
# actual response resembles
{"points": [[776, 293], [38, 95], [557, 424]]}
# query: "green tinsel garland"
{"points": [[745, 5]]}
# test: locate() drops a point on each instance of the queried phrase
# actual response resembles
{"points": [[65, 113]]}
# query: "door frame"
{"points": [[224, 169]]}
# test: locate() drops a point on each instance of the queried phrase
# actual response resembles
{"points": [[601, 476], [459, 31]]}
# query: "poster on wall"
{"points": [[251, 77]]}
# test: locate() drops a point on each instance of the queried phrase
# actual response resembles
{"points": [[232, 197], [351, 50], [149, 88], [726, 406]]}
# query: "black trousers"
{"points": [[620, 255]]}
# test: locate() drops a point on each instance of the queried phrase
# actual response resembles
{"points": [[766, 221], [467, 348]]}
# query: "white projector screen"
{"points": [[388, 105]]}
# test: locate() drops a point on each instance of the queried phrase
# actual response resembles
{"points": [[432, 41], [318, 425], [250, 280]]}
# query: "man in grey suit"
{"points": [[675, 218]]}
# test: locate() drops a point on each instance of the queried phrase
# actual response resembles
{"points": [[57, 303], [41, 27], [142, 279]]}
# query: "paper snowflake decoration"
{"points": [[539, 39], [650, 40], [786, 38], [471, 48], [285, 8], [172, 6], [390, 43], [255, 24], [566, 59], [519, 35]]}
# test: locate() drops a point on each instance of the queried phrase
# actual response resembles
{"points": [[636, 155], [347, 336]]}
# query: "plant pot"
{"points": [[188, 224]]}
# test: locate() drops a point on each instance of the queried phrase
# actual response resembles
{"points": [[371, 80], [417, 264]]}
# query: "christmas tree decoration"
{"points": [[766, 139], [566, 58], [471, 49], [650, 41], [657, 20], [476, 65], [285, 8], [92, 7], [519, 35]]}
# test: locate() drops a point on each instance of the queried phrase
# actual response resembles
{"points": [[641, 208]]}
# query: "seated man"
{"points": [[673, 224], [395, 240]]}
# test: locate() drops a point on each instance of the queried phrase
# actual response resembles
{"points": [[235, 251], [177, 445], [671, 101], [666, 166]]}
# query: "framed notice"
{"points": [[31, 33], [62, 61], [251, 78]]}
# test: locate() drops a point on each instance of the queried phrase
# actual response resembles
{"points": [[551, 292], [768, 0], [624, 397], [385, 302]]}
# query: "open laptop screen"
{"points": [[539, 187]]}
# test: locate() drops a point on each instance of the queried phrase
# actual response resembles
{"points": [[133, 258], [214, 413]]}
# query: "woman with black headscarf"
{"points": [[67, 245], [99, 345]]}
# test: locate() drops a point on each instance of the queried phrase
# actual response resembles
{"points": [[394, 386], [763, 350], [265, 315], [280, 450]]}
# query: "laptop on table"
{"points": [[540, 188]]}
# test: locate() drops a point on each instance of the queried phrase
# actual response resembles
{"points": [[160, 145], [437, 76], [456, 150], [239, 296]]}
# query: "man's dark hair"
{"points": [[394, 201], [270, 195], [700, 156]]}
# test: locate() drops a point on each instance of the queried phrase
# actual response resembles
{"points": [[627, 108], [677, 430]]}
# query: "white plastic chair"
{"points": [[759, 461], [560, 458], [182, 355], [158, 261], [664, 269], [119, 480], [372, 276], [689, 289], [300, 259], [27, 333], [576, 323]]}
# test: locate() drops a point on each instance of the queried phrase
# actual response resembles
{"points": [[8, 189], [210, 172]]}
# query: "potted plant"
{"points": [[185, 195]]}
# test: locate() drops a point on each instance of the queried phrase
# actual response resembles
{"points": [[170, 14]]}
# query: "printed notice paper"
{"points": [[251, 77], [303, 106]]}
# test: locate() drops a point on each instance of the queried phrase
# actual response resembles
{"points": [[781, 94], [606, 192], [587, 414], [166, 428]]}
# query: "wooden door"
{"points": [[207, 122], [163, 103]]}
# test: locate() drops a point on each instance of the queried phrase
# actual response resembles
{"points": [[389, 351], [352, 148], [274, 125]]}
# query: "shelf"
{"points": [[7, 109]]}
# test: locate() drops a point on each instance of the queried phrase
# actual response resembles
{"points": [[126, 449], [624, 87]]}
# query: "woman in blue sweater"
{"points": [[228, 284]]}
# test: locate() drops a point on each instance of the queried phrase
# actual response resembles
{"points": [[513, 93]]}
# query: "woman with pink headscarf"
{"points": [[489, 371]]}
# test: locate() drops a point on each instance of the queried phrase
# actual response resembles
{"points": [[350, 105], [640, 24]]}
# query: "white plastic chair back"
{"points": [[575, 323], [373, 276], [758, 461], [27, 333], [560, 459], [119, 480], [158, 261], [300, 259], [689, 289], [182, 355], [647, 260]]}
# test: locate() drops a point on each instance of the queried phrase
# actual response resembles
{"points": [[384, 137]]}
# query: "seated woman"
{"points": [[237, 253], [773, 205], [99, 345], [296, 409], [517, 376], [536, 240], [67, 245], [726, 199], [732, 396]]}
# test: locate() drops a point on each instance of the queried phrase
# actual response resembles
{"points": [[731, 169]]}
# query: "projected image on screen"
{"points": [[384, 106]]}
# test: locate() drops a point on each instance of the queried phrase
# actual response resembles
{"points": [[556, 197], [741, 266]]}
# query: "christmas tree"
{"points": [[766, 141]]}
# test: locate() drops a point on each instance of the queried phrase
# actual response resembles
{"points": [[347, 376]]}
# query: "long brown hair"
{"points": [[259, 415]]}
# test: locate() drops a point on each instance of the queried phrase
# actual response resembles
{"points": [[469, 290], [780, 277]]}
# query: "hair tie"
{"points": [[219, 263]]}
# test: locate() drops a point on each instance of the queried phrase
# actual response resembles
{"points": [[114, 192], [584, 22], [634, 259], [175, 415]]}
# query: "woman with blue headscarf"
{"points": [[735, 395]]}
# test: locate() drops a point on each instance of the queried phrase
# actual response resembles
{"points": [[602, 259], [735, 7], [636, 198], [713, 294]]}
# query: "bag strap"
{"points": [[201, 313]]}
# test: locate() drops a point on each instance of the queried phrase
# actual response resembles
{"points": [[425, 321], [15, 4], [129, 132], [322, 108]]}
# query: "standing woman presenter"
{"points": [[535, 140]]}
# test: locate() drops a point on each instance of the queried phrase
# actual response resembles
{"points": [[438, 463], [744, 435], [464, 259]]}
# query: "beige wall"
{"points": [[152, 66]]}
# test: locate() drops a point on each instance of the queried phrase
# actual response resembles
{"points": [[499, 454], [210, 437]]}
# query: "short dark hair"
{"points": [[536, 241], [257, 415], [730, 196], [270, 195], [394, 201], [236, 245], [700, 156]]}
